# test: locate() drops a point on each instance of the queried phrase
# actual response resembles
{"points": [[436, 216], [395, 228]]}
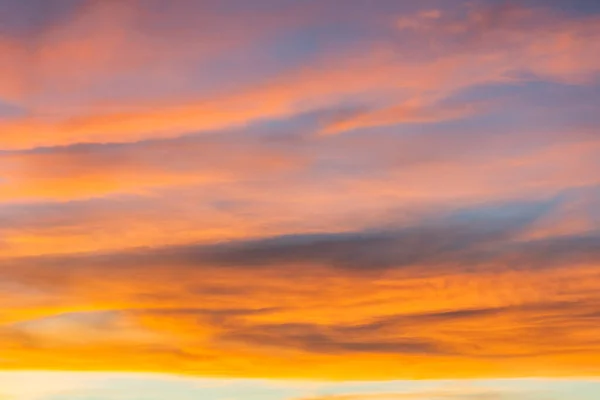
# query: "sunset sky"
{"points": [[299, 199]]}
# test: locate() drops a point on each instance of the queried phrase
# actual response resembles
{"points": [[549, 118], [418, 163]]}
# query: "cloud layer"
{"points": [[300, 189]]}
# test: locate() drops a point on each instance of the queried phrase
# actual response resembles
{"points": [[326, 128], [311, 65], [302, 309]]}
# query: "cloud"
{"points": [[461, 236], [98, 170], [508, 40], [403, 290], [317, 339], [409, 112], [172, 204], [477, 51], [247, 184]]}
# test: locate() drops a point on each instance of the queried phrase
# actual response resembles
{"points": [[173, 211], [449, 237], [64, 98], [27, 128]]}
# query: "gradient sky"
{"points": [[295, 199]]}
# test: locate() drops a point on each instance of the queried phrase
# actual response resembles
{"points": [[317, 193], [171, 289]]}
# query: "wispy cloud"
{"points": [[301, 189]]}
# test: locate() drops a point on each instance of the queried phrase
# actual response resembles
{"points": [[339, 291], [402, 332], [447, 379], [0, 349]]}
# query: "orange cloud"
{"points": [[426, 301], [95, 171], [410, 112], [130, 241], [12, 85]]}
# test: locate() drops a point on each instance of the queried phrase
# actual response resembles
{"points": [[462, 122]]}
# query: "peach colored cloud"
{"points": [[489, 45], [215, 190], [108, 41], [412, 111], [218, 196], [96, 171], [375, 71], [12, 85]]}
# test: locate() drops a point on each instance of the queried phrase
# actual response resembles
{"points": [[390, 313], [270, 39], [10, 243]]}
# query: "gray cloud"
{"points": [[418, 333], [463, 239], [325, 339]]}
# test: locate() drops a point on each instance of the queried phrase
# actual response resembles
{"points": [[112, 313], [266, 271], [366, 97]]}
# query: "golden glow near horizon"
{"points": [[317, 190]]}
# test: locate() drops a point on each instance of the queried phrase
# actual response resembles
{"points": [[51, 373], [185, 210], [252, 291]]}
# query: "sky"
{"points": [[299, 199]]}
